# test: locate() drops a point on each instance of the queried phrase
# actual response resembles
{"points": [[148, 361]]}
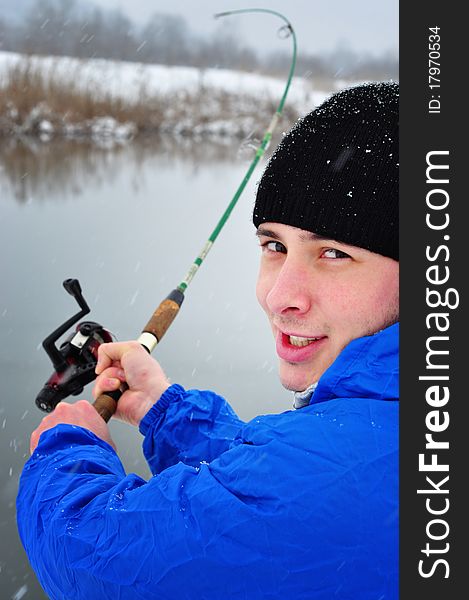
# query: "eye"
{"points": [[334, 253], [273, 247]]}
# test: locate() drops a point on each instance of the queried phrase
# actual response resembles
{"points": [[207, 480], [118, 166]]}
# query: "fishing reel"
{"points": [[75, 360]]}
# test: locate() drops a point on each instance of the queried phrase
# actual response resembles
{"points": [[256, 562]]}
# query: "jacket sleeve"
{"points": [[190, 426], [93, 532], [270, 517]]}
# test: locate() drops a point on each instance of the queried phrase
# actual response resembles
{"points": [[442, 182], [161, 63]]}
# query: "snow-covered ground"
{"points": [[133, 82], [129, 81]]}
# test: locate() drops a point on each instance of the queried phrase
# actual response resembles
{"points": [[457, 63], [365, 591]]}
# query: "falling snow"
{"points": [[20, 592]]}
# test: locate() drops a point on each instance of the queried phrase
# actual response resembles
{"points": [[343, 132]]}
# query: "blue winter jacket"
{"points": [[298, 505]]}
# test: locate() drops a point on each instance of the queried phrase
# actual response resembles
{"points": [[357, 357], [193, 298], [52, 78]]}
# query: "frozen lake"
{"points": [[127, 222]]}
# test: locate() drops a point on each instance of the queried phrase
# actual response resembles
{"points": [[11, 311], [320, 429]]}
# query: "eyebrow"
{"points": [[306, 236]]}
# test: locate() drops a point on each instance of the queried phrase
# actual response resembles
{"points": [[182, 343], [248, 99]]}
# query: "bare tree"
{"points": [[66, 27], [166, 39]]}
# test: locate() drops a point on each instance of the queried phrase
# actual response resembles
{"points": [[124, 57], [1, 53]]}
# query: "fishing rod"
{"points": [[75, 360]]}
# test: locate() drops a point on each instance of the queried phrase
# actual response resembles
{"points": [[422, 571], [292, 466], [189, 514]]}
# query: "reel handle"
{"points": [[159, 323]]}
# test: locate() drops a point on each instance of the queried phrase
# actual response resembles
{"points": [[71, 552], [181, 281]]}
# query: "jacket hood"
{"points": [[368, 367]]}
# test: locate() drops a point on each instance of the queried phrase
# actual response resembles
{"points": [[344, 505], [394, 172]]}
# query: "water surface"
{"points": [[127, 222]]}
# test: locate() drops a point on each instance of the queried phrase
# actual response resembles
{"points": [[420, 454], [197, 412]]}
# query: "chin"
{"points": [[293, 379]]}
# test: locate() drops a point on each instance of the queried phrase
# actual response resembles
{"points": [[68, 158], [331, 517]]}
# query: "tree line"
{"points": [[63, 28]]}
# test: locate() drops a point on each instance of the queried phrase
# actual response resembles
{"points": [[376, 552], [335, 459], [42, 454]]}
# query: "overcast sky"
{"points": [[321, 25], [370, 26]]}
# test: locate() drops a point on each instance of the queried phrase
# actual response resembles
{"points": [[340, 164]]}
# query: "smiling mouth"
{"points": [[298, 348], [299, 342]]}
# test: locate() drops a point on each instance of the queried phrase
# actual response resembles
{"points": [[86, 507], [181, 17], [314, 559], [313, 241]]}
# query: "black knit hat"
{"points": [[336, 173]]}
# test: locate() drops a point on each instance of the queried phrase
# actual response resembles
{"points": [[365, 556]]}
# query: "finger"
{"points": [[111, 352], [61, 409], [114, 372], [105, 384]]}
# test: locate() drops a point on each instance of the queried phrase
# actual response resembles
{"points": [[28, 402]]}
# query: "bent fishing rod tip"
{"points": [[284, 32]]}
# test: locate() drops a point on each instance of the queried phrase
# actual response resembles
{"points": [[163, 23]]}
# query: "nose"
{"points": [[291, 292]]}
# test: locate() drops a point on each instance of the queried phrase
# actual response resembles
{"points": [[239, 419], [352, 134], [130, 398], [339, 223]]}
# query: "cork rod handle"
{"points": [[154, 330]]}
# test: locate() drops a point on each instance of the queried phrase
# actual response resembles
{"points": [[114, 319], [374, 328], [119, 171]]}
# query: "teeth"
{"points": [[300, 341]]}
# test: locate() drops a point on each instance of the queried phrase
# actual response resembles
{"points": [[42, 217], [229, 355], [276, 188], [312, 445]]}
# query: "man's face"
{"points": [[319, 295]]}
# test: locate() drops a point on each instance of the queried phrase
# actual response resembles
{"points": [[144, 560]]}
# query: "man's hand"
{"points": [[80, 413], [117, 362], [129, 362]]}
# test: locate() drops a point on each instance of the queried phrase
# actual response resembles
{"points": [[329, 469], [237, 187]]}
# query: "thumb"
{"points": [[114, 352]]}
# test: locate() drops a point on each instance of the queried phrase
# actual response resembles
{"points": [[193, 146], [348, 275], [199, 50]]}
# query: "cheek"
{"points": [[385, 295], [363, 304], [376, 305], [342, 299]]}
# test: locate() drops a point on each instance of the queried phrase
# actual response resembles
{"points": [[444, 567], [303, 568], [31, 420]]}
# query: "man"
{"points": [[300, 505]]}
